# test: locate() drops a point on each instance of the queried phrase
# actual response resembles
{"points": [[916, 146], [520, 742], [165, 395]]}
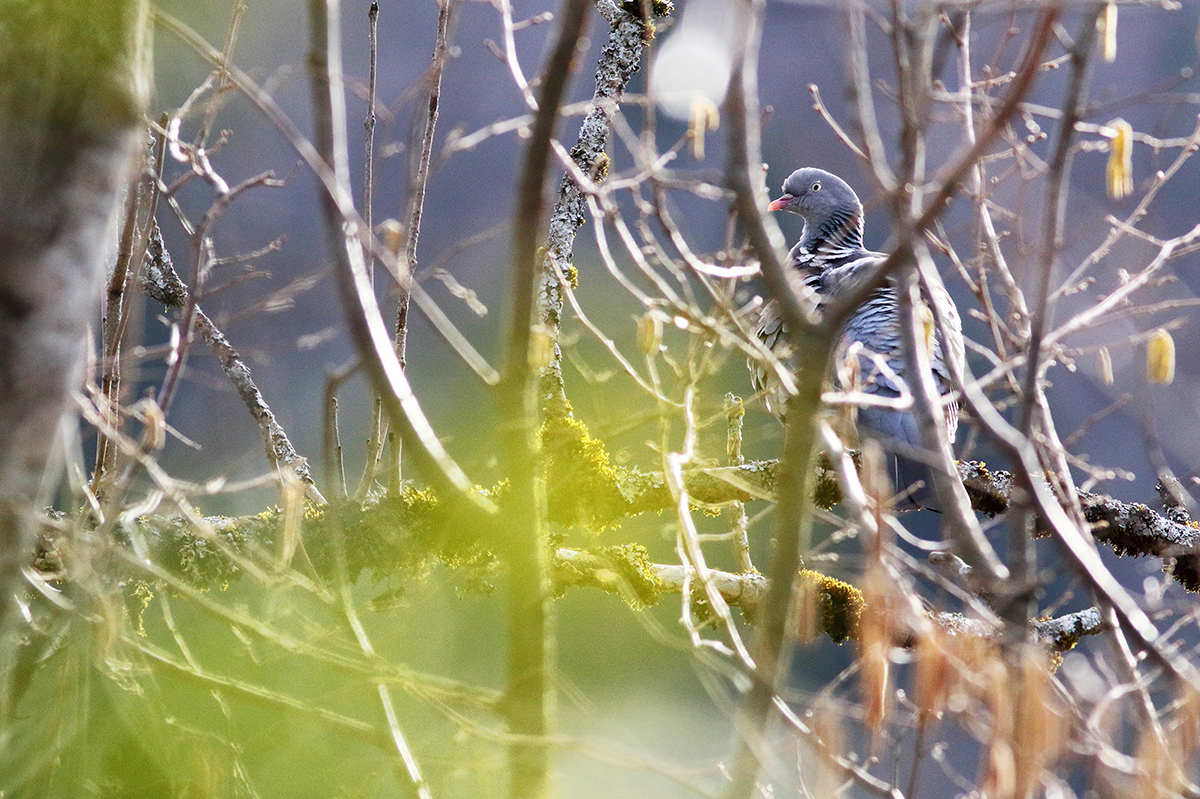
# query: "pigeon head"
{"points": [[831, 210]]}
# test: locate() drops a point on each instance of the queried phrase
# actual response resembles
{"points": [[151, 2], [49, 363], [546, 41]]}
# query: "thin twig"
{"points": [[1055, 218], [399, 741], [735, 412], [200, 236], [820, 108], [142, 194], [687, 543], [368, 204], [971, 541], [363, 320], [157, 657], [378, 423], [416, 207], [978, 188], [203, 130], [335, 471]]}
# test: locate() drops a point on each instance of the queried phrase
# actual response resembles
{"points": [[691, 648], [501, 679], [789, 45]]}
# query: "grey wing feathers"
{"points": [[770, 332], [876, 326]]}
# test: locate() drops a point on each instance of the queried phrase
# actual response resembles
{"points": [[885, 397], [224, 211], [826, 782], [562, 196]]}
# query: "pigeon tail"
{"points": [[898, 432], [914, 480]]}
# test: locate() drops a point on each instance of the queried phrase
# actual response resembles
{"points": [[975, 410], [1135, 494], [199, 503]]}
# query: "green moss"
{"points": [[313, 512], [582, 485], [826, 492], [394, 540], [201, 561], [632, 562], [656, 8], [401, 538], [841, 605], [646, 11]]}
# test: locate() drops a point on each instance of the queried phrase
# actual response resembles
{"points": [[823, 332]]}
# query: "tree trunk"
{"points": [[71, 99]]}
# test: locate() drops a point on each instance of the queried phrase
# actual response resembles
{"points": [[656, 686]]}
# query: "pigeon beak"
{"points": [[780, 204]]}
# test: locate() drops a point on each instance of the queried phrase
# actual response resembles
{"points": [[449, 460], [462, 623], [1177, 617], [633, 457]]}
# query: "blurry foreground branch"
{"points": [[72, 90]]}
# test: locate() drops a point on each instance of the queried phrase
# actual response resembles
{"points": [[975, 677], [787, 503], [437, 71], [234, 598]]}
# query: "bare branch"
{"points": [[619, 60], [365, 324]]}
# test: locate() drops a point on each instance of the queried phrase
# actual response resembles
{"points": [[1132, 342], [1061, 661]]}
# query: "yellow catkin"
{"points": [[1107, 23], [393, 235], [1119, 175], [649, 334], [154, 433], [928, 328], [293, 514], [1106, 372], [1038, 729], [1160, 358], [704, 117], [934, 674], [879, 625]]}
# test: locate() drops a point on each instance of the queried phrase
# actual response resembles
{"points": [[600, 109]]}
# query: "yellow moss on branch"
{"points": [[840, 605], [583, 486]]}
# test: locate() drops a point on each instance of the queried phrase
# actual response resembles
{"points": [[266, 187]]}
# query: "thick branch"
{"points": [[163, 284], [624, 571], [620, 59], [1129, 528]]}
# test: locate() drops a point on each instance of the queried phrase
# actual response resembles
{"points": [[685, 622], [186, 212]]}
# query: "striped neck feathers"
{"points": [[837, 234]]}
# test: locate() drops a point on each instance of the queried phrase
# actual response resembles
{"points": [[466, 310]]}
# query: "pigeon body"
{"points": [[830, 260]]}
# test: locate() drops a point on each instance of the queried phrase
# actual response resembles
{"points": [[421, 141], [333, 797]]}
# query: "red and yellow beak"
{"points": [[781, 203]]}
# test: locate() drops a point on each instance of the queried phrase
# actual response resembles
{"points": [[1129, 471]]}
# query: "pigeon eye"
{"points": [[816, 186]]}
